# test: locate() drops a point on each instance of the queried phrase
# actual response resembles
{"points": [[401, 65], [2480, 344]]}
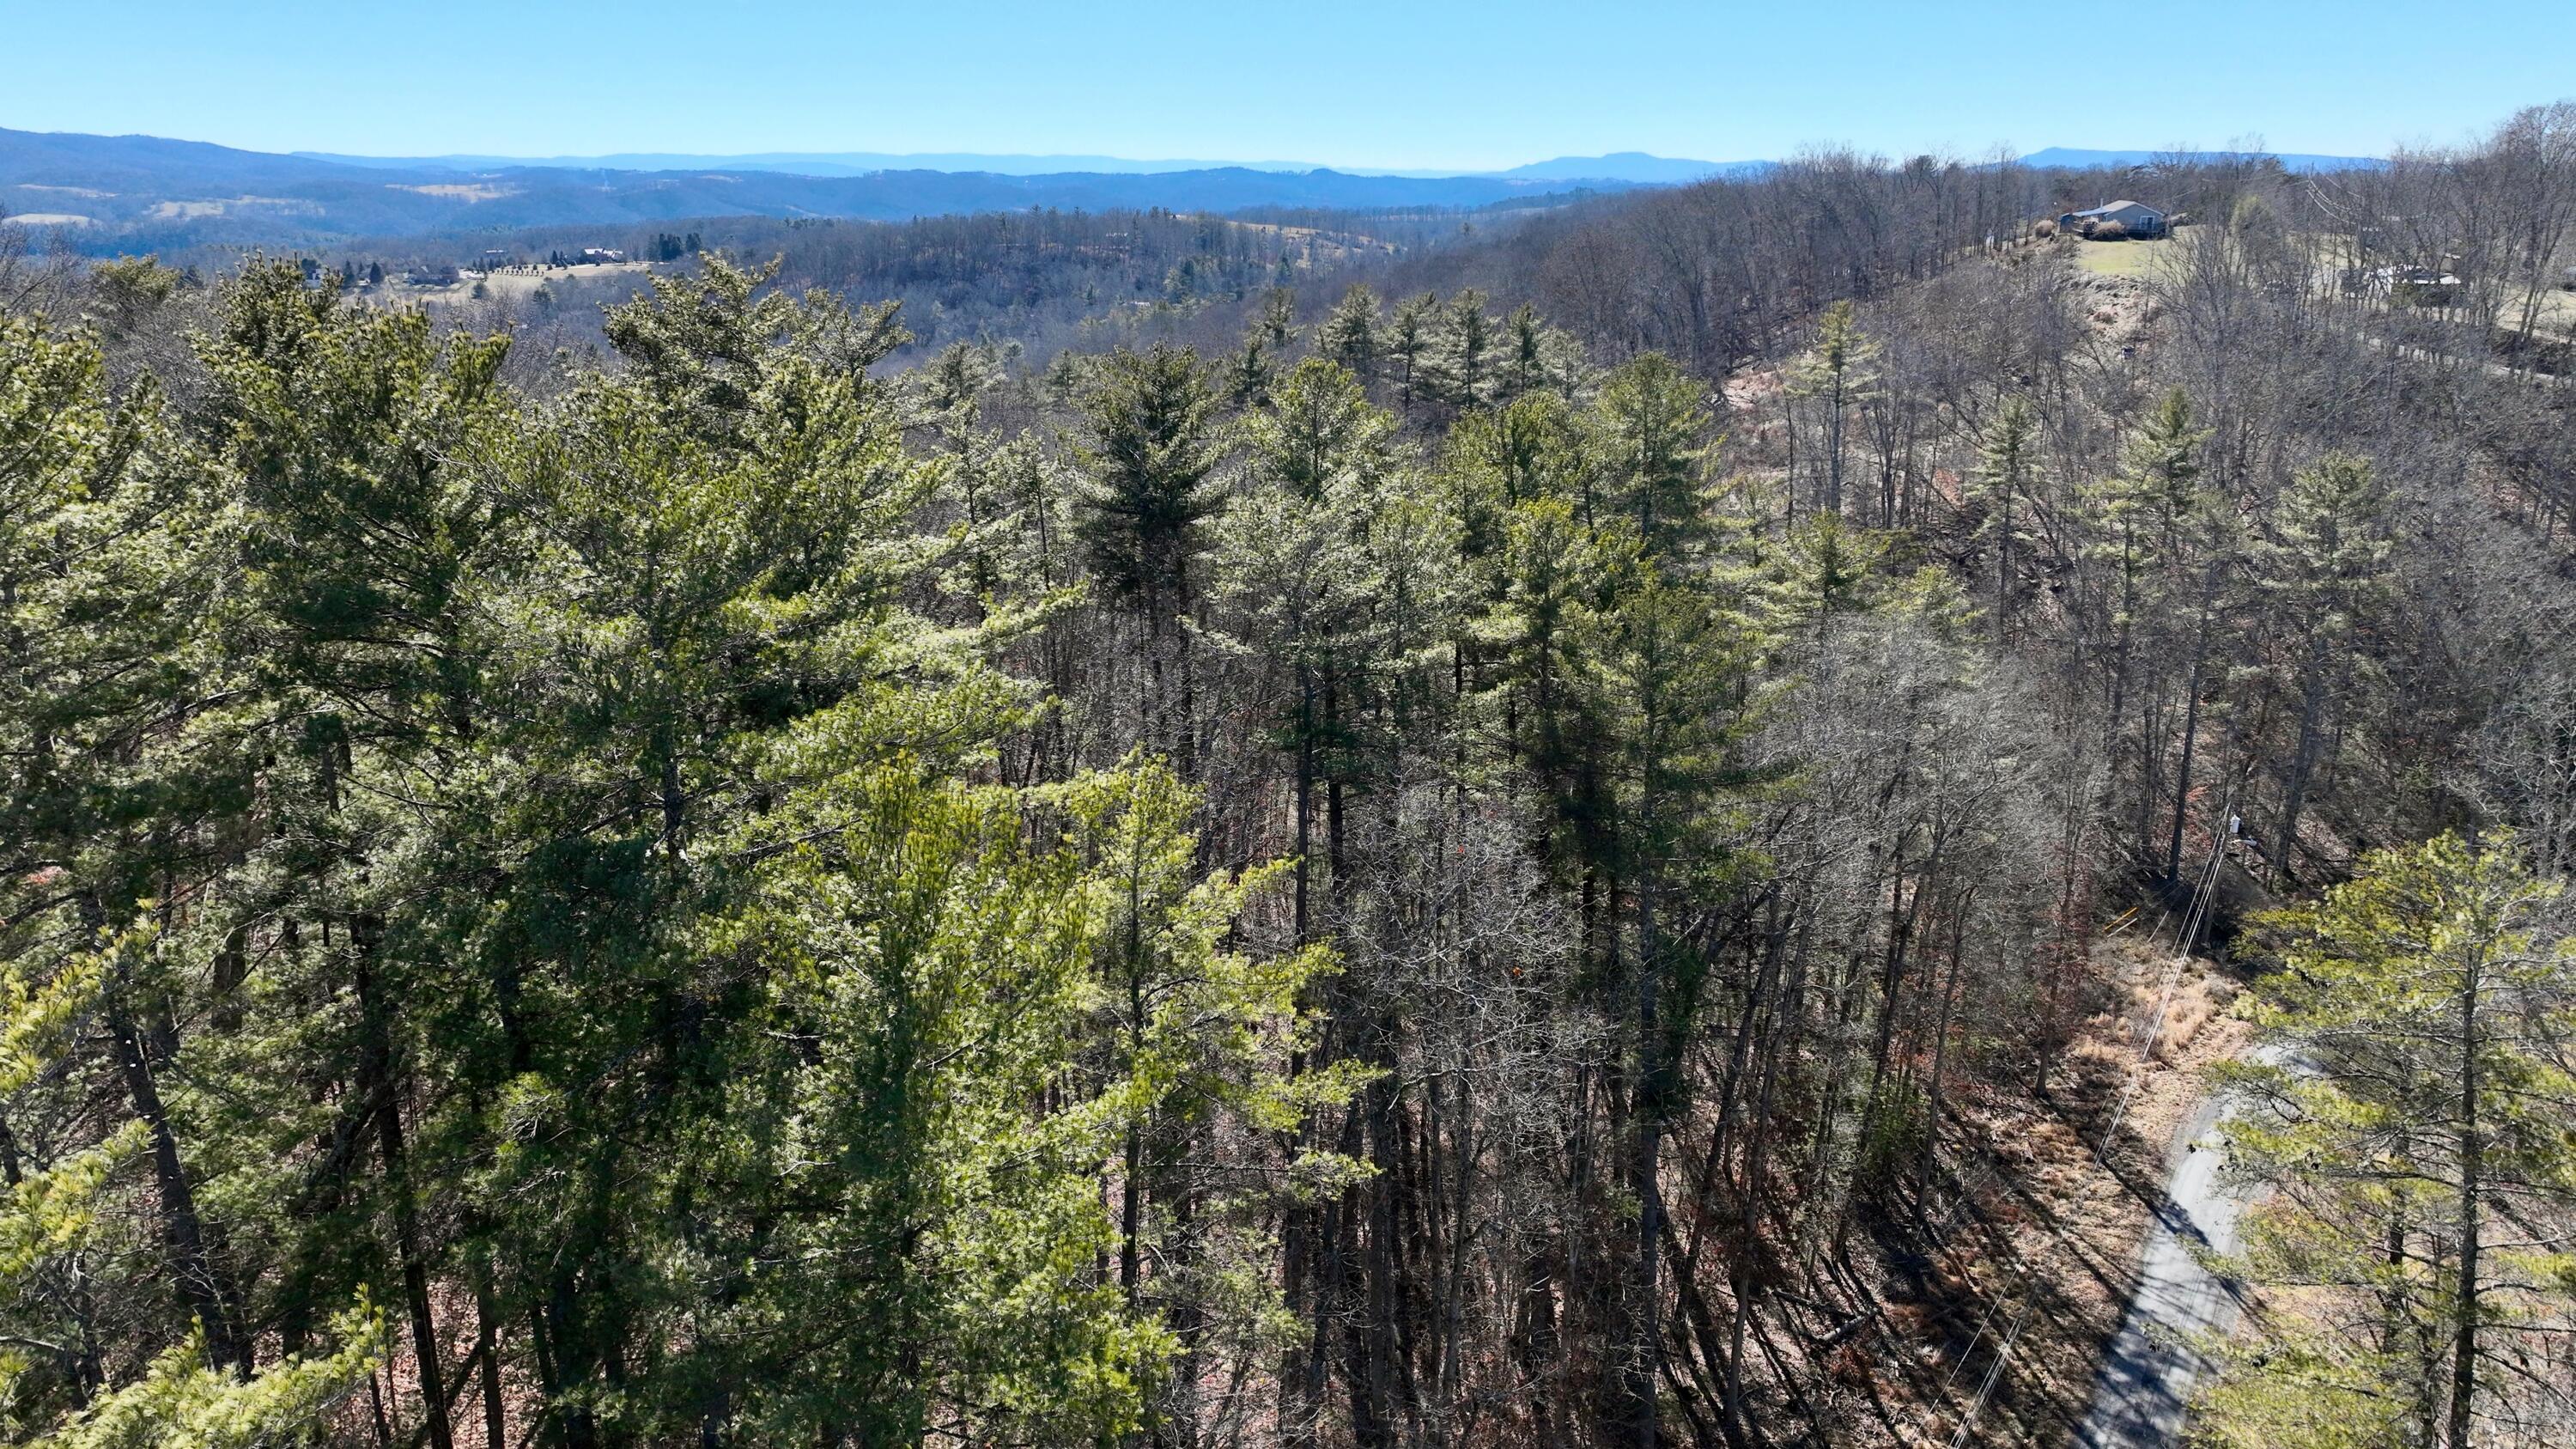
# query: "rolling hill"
{"points": [[108, 194], [132, 193]]}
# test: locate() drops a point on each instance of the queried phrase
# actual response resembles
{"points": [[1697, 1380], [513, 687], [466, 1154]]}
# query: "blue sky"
{"points": [[1394, 83]]}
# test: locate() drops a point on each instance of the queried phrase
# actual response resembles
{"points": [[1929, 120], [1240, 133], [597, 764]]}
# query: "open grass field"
{"points": [[522, 284], [2122, 258], [2557, 313]]}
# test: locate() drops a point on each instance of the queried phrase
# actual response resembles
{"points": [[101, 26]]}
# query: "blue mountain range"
{"points": [[134, 193]]}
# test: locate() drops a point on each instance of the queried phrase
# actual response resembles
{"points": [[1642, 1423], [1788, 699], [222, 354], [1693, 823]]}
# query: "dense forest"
{"points": [[1037, 282], [1516, 841]]}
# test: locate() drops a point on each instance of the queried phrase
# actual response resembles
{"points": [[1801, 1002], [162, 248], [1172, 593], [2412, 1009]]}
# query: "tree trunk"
{"points": [[1644, 1173], [202, 1290], [378, 1081], [2182, 781], [487, 1348], [2464, 1313]]}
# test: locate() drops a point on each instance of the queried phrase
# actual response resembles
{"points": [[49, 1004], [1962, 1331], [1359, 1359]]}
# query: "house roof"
{"points": [[2111, 206], [2414, 276]]}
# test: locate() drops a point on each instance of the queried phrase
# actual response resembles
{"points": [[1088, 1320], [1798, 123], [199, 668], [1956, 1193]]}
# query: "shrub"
{"points": [[2087, 227], [2044, 230], [2110, 231]]}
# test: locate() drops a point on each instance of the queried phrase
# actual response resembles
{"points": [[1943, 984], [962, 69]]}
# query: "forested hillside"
{"points": [[1030, 283], [104, 194], [1551, 847]]}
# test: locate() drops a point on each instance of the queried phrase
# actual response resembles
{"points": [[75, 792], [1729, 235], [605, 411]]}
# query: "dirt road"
{"points": [[2147, 1377]]}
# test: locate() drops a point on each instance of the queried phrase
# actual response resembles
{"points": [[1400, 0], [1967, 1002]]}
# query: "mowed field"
{"points": [[516, 283], [2557, 313], [2123, 258], [2144, 258]]}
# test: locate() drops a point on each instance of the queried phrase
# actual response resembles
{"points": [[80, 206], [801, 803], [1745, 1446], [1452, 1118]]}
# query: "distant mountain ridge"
{"points": [[2074, 159], [1631, 166], [1636, 167], [810, 163], [134, 193]]}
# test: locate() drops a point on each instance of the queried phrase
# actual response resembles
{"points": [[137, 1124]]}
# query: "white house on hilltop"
{"points": [[2135, 217]]}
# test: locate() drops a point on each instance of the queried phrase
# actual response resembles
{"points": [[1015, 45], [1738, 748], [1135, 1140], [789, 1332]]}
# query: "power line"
{"points": [[2197, 913]]}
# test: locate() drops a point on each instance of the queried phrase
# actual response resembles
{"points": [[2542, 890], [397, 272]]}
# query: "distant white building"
{"points": [[2135, 217], [2416, 286], [601, 254]]}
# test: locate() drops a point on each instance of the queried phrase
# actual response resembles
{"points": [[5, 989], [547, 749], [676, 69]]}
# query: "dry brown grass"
{"points": [[2182, 1024]]}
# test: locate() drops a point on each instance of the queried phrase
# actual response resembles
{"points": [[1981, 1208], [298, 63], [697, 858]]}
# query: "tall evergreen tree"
{"points": [[1349, 335], [1319, 425], [1151, 449], [2324, 580], [2008, 467], [2408, 1122], [1411, 333], [1650, 441], [1836, 373]]}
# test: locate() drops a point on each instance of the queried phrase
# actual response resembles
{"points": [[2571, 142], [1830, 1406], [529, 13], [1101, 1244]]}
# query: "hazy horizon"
{"points": [[1434, 88], [1631, 163]]}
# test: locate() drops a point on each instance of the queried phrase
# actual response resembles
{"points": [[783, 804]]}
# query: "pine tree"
{"points": [[2156, 528], [1531, 355], [1277, 323], [953, 386], [1836, 372], [1349, 335], [2145, 519], [1531, 449], [128, 293], [1409, 339], [1650, 445], [2324, 580], [1295, 559], [1151, 448], [1248, 374], [2407, 1118], [1319, 425], [1459, 367], [118, 785], [1667, 668], [754, 780], [50, 1218], [696, 342], [2007, 472]]}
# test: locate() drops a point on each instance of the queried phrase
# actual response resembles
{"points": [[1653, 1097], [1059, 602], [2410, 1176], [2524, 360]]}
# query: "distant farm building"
{"points": [[601, 254], [2135, 217], [2405, 286]]}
